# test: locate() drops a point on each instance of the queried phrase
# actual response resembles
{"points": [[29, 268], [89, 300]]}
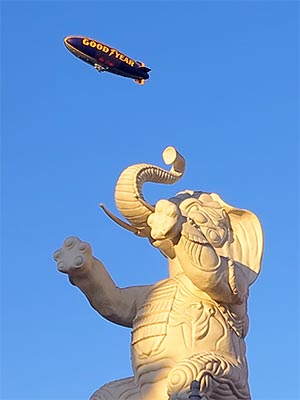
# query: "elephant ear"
{"points": [[247, 246]]}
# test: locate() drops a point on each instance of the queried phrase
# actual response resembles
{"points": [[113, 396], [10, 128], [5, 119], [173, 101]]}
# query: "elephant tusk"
{"points": [[145, 204], [119, 221]]}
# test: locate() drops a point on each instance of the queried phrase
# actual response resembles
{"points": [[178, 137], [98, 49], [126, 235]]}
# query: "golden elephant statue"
{"points": [[192, 325]]}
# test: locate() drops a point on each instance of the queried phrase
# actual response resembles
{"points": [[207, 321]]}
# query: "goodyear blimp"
{"points": [[106, 58]]}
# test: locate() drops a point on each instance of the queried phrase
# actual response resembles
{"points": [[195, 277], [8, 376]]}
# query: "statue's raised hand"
{"points": [[74, 257]]}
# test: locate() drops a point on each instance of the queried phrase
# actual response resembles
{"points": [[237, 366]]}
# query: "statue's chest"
{"points": [[168, 306], [151, 322]]}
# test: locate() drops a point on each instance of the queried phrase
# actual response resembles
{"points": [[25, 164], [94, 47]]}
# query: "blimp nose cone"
{"points": [[69, 41], [73, 42]]}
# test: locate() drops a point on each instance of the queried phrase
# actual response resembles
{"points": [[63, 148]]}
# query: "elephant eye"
{"points": [[192, 210], [191, 207], [200, 217]]}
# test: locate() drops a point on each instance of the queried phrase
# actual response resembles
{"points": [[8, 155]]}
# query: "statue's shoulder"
{"points": [[164, 286]]}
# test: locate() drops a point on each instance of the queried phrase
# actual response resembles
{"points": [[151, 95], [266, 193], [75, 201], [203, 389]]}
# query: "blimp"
{"points": [[106, 58]]}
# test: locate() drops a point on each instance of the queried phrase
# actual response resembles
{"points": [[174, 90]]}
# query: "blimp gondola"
{"points": [[106, 58]]}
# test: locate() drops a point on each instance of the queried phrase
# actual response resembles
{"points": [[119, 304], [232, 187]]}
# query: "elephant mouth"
{"points": [[193, 239]]}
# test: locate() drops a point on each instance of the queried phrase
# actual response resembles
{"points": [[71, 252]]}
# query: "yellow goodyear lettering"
{"points": [[121, 57], [98, 45], [110, 51], [129, 61]]}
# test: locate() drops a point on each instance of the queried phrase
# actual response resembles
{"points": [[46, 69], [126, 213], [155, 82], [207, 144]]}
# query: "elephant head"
{"points": [[190, 219]]}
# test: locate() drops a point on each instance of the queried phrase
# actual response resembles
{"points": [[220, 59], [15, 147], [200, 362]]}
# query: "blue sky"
{"points": [[224, 90]]}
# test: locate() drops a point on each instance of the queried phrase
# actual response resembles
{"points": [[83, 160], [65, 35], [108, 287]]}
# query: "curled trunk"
{"points": [[128, 192]]}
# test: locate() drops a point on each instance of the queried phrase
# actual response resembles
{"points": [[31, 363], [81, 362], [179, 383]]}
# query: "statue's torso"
{"points": [[178, 320]]}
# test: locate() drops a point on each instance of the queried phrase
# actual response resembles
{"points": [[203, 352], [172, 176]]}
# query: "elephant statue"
{"points": [[192, 325]]}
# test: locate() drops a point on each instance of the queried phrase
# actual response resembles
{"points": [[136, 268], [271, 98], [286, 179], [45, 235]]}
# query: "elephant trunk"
{"points": [[128, 192]]}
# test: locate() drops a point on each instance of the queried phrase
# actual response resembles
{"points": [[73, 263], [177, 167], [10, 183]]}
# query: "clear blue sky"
{"points": [[223, 90]]}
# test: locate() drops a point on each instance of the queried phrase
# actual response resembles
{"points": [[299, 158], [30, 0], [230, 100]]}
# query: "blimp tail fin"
{"points": [[145, 69]]}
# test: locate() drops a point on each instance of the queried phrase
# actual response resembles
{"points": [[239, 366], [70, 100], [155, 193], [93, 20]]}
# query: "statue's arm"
{"points": [[91, 277], [118, 305]]}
